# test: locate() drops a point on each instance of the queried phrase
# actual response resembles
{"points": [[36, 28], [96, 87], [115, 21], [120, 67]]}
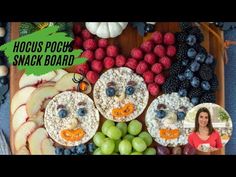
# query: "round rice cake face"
{"points": [[120, 95], [164, 119], [71, 118]]}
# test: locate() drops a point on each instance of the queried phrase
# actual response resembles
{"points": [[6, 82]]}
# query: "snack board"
{"points": [[126, 41]]}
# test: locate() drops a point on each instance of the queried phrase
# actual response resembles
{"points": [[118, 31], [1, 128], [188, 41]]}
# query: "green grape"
{"points": [[136, 153], [117, 142], [114, 133], [98, 151], [129, 137], [125, 147], [134, 127], [146, 137], [98, 139], [106, 125], [123, 127], [108, 146], [138, 144], [150, 151], [114, 153]]}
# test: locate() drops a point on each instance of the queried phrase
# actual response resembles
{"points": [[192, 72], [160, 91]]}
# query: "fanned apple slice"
{"points": [[59, 74], [49, 83], [66, 83], [38, 118], [32, 80], [22, 134], [20, 116], [23, 151], [47, 147], [35, 140], [45, 103], [37, 98], [20, 98]]}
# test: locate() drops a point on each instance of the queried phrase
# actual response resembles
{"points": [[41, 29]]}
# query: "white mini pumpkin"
{"points": [[106, 29]]}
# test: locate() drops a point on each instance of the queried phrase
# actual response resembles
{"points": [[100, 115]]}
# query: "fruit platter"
{"points": [[130, 97]]}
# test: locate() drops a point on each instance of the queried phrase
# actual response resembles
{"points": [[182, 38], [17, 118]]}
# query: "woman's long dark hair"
{"points": [[209, 124]]}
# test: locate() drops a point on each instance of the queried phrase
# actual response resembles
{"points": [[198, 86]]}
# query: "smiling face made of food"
{"points": [[120, 94], [71, 118], [164, 119]]}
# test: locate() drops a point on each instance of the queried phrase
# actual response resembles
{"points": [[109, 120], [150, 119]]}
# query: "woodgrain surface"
{"points": [[126, 41]]}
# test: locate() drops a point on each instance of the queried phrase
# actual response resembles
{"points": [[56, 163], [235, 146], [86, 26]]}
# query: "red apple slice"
{"points": [[35, 141], [66, 83], [47, 147], [37, 98], [22, 134], [59, 74], [20, 116], [38, 118], [23, 151], [21, 97], [32, 80]]}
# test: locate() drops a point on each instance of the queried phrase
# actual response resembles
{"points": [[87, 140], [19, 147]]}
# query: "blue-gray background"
{"points": [[230, 96]]}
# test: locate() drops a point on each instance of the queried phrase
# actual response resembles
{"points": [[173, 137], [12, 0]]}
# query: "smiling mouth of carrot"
{"points": [[72, 135], [124, 111]]}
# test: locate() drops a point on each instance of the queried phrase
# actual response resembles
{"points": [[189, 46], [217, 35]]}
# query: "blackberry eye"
{"points": [[81, 112], [63, 113], [110, 91], [129, 90]]}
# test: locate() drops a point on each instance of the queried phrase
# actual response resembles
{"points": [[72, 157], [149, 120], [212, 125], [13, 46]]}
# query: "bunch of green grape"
{"points": [[123, 139]]}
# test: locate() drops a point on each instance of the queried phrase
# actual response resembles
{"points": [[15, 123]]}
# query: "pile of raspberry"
{"points": [[151, 60]]}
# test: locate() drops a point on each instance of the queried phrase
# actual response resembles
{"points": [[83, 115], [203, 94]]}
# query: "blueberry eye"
{"points": [[63, 113], [129, 90], [81, 112], [110, 91], [161, 114], [181, 115]]}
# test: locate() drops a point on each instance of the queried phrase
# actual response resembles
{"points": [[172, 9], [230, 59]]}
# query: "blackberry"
{"points": [[205, 72], [185, 26], [208, 98], [200, 49], [182, 50], [214, 83], [171, 85], [185, 84], [176, 68], [197, 32], [195, 92], [181, 36]]}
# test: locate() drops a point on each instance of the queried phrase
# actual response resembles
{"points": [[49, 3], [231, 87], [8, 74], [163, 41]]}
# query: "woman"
{"points": [[204, 137]]}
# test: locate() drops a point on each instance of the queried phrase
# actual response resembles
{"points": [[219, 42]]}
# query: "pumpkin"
{"points": [[106, 29]]}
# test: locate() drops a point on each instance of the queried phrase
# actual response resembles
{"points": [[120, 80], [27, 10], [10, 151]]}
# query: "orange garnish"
{"points": [[124, 111], [168, 134], [83, 86], [72, 135]]}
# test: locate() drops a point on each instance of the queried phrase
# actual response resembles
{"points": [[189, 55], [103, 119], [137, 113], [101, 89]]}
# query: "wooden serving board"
{"points": [[126, 41]]}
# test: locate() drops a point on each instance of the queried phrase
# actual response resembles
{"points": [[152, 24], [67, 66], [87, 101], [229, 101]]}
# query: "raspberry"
{"points": [[137, 53], [112, 51], [148, 76], [109, 62], [120, 60], [92, 76], [157, 68]]}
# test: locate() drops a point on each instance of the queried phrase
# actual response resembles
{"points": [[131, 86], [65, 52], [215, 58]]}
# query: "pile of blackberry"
{"points": [[192, 74]]}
